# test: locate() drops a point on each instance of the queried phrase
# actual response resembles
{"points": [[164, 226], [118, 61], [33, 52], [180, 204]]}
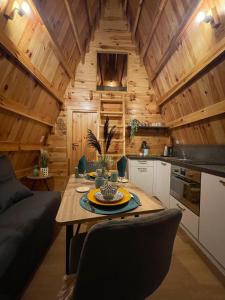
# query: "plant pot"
{"points": [[44, 171]]}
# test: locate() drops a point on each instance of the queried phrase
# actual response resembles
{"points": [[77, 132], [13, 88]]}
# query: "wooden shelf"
{"points": [[150, 127], [117, 126], [119, 113], [114, 140], [112, 100]]}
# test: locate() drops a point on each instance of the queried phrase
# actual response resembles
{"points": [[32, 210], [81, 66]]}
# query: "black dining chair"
{"points": [[124, 259]]}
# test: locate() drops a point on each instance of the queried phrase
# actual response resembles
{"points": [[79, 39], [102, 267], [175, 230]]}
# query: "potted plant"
{"points": [[44, 162], [134, 124], [104, 159]]}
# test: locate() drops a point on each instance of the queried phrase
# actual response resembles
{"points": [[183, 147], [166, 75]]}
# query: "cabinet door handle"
{"points": [[181, 208], [223, 182], [142, 169], [143, 162], [163, 163]]}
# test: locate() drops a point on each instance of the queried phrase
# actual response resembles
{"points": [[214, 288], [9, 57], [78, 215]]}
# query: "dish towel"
{"points": [[82, 165], [121, 166]]}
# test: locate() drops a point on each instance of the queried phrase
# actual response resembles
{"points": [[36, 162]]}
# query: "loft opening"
{"points": [[112, 71]]}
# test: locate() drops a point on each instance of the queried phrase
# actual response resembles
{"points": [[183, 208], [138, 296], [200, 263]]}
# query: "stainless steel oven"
{"points": [[185, 186]]}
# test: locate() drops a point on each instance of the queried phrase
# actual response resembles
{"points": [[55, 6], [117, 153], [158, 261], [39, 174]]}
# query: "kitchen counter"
{"points": [[210, 168]]}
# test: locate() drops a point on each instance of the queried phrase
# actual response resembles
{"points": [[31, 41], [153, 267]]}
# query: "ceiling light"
{"points": [[203, 17], [211, 17], [25, 8], [200, 17]]}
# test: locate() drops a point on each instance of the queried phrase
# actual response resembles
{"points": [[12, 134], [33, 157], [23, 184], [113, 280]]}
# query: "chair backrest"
{"points": [[126, 259], [121, 166]]}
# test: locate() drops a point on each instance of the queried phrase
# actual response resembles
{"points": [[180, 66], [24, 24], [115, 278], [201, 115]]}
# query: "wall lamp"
{"points": [[211, 17], [22, 9]]}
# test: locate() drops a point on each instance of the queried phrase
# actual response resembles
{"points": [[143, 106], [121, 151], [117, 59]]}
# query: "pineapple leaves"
{"points": [[106, 129], [93, 142], [110, 137]]}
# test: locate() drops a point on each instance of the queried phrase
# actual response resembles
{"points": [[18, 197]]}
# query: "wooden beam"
{"points": [[204, 113], [186, 21], [137, 18], [154, 26], [15, 146], [15, 53], [74, 27], [57, 48], [88, 14], [19, 109], [212, 55]]}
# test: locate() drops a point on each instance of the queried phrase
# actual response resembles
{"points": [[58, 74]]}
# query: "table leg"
{"points": [[46, 184], [33, 184], [69, 235]]}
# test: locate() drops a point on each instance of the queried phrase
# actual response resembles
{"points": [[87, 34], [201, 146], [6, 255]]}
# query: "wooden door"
{"points": [[81, 122]]}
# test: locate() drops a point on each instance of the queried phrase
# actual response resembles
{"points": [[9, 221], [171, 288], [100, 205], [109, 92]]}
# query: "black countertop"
{"points": [[212, 168]]}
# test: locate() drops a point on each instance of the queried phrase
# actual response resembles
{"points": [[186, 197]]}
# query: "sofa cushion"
{"points": [[12, 191], [25, 215], [6, 169], [10, 240]]}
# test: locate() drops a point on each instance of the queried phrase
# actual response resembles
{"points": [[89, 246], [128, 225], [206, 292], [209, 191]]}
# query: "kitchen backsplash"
{"points": [[205, 153]]}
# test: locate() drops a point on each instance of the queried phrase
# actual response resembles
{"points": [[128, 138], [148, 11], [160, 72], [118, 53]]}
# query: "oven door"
{"points": [[186, 191]]}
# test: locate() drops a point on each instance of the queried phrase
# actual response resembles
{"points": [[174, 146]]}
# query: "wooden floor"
{"points": [[189, 278]]}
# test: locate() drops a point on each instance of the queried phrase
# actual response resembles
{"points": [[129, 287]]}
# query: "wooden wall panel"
{"points": [[148, 13], [197, 41], [56, 14], [79, 11]]}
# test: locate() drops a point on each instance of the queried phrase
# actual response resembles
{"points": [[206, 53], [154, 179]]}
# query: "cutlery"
{"points": [[136, 200]]}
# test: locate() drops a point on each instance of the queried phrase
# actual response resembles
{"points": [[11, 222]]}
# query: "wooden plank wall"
{"points": [[185, 64], [113, 35], [38, 57]]}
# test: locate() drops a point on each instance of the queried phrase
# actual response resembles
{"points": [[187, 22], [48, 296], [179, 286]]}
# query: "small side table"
{"points": [[43, 179]]}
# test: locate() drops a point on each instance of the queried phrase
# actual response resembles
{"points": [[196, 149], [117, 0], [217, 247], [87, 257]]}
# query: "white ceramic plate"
{"points": [[82, 189], [118, 196]]}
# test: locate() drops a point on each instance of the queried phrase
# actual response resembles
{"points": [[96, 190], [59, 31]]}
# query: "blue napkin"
{"points": [[121, 166], [82, 165]]}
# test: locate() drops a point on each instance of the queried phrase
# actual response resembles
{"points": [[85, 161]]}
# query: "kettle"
{"points": [[166, 151]]}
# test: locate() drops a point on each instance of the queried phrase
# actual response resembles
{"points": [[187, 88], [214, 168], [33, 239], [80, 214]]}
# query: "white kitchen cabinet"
{"points": [[212, 212], [141, 174], [189, 220], [162, 182]]}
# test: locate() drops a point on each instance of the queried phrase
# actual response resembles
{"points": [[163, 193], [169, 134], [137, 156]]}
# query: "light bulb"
{"points": [[25, 7], [200, 17]]}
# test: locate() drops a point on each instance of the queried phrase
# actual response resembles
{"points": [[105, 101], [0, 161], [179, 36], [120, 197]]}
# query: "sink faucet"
{"points": [[184, 155]]}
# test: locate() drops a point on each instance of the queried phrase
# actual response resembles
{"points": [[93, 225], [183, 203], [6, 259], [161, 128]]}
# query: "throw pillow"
{"points": [[12, 191]]}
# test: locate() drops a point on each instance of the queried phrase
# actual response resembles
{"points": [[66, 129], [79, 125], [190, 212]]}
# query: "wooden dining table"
{"points": [[70, 212]]}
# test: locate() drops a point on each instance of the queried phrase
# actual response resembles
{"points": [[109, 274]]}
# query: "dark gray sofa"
{"points": [[26, 230]]}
